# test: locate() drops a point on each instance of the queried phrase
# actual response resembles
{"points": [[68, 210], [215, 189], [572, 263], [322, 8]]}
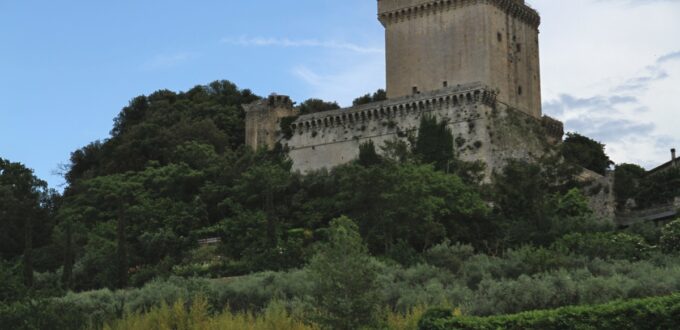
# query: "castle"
{"points": [[472, 63]]}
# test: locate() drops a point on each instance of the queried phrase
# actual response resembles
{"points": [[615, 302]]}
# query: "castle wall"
{"points": [[483, 129], [434, 43], [263, 120]]}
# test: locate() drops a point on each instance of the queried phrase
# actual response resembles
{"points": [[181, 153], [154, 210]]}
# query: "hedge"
{"points": [[649, 313]]}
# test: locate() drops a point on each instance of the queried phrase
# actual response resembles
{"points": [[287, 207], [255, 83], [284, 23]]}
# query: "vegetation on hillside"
{"points": [[371, 243]]}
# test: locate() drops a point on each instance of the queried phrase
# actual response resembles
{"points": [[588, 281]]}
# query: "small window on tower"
{"points": [[499, 36], [446, 84], [415, 90], [519, 48], [519, 90]]}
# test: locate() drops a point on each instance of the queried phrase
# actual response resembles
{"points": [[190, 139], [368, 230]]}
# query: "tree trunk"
{"points": [[28, 252], [67, 275], [122, 251]]}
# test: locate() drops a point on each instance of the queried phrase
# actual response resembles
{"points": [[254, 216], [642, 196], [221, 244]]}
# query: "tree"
{"points": [[670, 237], [367, 154], [24, 213], [627, 179], [317, 105], [379, 95], [345, 280], [538, 202], [409, 202], [586, 152], [435, 144], [659, 188]]}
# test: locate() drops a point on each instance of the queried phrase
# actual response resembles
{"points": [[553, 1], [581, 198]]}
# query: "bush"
{"points": [[449, 256], [670, 237], [651, 313], [605, 245], [42, 314], [197, 316]]}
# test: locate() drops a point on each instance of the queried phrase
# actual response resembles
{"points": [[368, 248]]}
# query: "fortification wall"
{"points": [[484, 130], [263, 120]]}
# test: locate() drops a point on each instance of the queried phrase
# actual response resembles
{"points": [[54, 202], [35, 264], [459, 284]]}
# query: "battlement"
{"points": [[392, 11], [279, 101], [475, 93]]}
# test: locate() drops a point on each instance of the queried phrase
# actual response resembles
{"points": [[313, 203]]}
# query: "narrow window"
{"points": [[415, 90], [519, 48], [446, 84], [499, 36], [519, 90]]}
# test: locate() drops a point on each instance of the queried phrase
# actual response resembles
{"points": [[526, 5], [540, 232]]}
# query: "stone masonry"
{"points": [[472, 63]]}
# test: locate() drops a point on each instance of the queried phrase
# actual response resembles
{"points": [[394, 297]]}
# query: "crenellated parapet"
{"points": [[411, 105], [514, 8]]}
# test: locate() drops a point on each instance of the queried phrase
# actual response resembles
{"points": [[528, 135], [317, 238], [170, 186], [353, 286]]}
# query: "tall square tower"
{"points": [[434, 44]]}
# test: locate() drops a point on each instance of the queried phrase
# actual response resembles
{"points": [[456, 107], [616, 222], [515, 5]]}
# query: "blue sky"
{"points": [[610, 68]]}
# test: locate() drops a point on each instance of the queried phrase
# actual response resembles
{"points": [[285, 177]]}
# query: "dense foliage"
{"points": [[26, 216], [627, 179], [379, 95], [317, 105], [652, 313], [586, 152], [635, 188], [368, 243]]}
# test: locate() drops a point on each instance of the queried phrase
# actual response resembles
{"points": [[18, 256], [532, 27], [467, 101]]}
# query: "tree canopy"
{"points": [[586, 152]]}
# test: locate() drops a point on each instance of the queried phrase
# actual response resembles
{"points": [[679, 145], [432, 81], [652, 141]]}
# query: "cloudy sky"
{"points": [[610, 68]]}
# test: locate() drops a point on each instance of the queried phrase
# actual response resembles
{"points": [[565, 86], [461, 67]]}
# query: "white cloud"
{"points": [[611, 70], [285, 42]]}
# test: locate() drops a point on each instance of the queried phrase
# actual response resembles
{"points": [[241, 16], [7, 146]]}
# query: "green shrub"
{"points": [[605, 245], [670, 237], [649, 230], [42, 314], [651, 313], [449, 256]]}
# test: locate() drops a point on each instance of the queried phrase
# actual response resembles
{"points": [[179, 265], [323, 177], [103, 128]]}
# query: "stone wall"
{"points": [[483, 129], [433, 44], [263, 120]]}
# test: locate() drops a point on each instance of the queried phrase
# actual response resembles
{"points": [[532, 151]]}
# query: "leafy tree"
{"points": [[25, 216], [572, 204], [659, 188], [11, 285], [317, 105], [151, 128], [586, 152], [408, 202], [344, 279], [379, 95], [367, 154], [261, 187], [538, 202], [670, 237], [435, 144], [627, 179]]}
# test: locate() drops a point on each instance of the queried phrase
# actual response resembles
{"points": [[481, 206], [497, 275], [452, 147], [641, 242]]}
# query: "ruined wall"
{"points": [[263, 120], [483, 129], [433, 44]]}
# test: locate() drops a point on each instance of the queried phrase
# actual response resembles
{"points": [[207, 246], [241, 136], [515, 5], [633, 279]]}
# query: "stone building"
{"points": [[672, 164], [472, 63]]}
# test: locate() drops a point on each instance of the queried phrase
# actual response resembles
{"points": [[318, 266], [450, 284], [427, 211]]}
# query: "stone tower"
{"points": [[470, 63], [434, 44]]}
